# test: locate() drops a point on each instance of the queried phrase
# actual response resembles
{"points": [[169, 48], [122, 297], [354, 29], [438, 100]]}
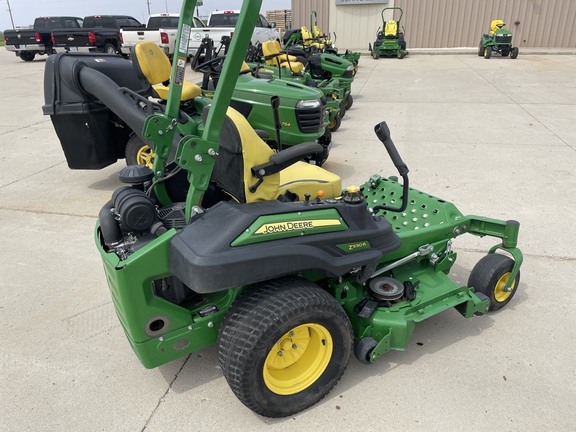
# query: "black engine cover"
{"points": [[202, 257]]}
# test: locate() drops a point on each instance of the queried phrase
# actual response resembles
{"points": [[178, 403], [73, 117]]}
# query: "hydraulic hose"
{"points": [[109, 226]]}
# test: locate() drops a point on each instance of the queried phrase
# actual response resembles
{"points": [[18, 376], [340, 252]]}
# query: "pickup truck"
{"points": [[222, 23], [27, 43], [160, 29], [99, 33]]}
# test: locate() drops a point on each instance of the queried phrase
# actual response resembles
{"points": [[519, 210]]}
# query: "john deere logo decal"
{"points": [[271, 228]]}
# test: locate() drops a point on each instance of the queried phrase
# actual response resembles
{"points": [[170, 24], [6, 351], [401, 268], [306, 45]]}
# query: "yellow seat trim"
{"points": [[300, 178], [495, 25], [156, 67], [273, 47]]}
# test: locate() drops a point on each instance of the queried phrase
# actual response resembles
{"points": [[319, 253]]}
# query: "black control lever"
{"points": [[275, 101], [383, 133]]}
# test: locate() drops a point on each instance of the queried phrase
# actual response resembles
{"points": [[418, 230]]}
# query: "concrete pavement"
{"points": [[496, 137]]}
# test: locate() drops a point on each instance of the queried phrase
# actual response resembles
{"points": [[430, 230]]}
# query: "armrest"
{"points": [[271, 56], [285, 158], [262, 134]]}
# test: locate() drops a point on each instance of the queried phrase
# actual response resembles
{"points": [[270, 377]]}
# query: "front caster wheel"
{"points": [[283, 345], [490, 275], [334, 125], [348, 102], [138, 152], [364, 348]]}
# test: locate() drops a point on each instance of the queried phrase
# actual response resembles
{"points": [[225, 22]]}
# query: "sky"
{"points": [[25, 11]]}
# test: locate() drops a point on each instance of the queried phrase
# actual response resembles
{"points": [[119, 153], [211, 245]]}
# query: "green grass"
{"points": [[2, 39]]}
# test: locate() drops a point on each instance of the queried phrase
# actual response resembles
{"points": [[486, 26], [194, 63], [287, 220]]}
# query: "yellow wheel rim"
{"points": [[298, 359], [145, 156], [499, 294], [332, 123]]}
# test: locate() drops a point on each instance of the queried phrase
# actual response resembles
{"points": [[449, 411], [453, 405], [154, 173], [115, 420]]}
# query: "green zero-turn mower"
{"points": [[265, 256], [314, 40], [390, 40], [499, 40]]}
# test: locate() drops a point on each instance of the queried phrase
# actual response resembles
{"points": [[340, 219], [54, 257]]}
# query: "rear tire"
{"points": [[489, 276], [514, 53], [487, 52], [27, 56], [109, 49], [283, 345]]}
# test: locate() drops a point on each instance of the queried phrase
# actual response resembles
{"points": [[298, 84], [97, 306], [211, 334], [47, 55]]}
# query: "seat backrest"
{"points": [[240, 149], [152, 62], [495, 25], [269, 48], [306, 35], [391, 28]]}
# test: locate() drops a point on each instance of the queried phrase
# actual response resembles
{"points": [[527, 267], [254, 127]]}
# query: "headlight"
{"points": [[314, 103], [350, 68]]}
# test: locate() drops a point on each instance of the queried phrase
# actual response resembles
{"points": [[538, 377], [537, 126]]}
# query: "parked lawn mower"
{"points": [[266, 256], [390, 40], [314, 40], [499, 40]]}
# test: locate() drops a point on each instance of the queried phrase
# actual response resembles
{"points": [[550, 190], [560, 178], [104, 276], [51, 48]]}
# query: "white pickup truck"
{"points": [[222, 23], [160, 29]]}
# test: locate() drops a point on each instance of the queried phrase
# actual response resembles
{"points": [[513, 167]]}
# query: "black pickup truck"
{"points": [[26, 43], [99, 33]]}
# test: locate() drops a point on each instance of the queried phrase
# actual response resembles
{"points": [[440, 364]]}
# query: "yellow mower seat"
{"points": [[283, 61], [391, 28], [241, 149], [495, 25], [308, 39], [153, 63], [317, 34]]}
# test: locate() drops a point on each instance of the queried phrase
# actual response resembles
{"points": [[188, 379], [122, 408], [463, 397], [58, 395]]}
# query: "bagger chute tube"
{"points": [[288, 288]]}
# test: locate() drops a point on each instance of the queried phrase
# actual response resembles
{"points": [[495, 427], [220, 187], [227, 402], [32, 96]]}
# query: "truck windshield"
{"points": [[223, 20], [156, 23]]}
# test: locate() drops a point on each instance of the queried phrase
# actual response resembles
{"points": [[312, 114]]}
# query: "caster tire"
{"points": [[138, 152], [334, 125], [489, 276], [348, 102], [487, 52], [514, 53]]}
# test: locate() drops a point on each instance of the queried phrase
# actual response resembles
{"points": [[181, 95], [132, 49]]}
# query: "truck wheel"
{"points": [[514, 53], [27, 56], [109, 49], [487, 52], [283, 345], [138, 152], [489, 276], [334, 125]]}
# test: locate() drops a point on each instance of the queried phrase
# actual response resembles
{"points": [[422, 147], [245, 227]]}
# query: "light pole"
{"points": [[10, 12]]}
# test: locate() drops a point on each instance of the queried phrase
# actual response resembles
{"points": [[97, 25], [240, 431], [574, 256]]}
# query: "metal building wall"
{"points": [[446, 23], [460, 23], [301, 13]]}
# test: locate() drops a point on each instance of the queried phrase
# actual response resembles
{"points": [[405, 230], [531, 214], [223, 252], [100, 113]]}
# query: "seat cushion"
{"points": [[295, 67], [304, 178], [189, 91]]}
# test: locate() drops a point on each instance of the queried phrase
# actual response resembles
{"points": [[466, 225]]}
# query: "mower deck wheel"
{"points": [[138, 152], [487, 52], [363, 349], [490, 275], [283, 345]]}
